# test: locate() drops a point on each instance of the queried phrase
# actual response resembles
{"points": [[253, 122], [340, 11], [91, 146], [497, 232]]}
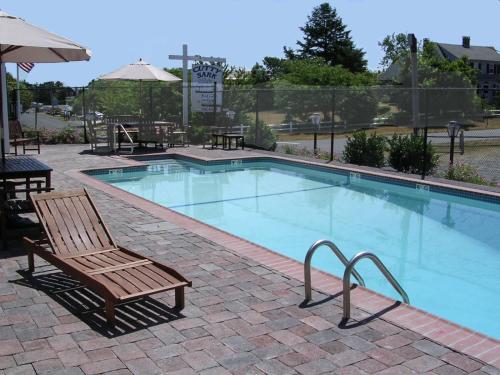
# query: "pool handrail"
{"points": [[350, 269], [307, 265]]}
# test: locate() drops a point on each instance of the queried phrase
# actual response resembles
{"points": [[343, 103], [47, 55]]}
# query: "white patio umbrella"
{"points": [[23, 42], [140, 71]]}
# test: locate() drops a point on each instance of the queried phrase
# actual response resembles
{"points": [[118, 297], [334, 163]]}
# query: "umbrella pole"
{"points": [[1, 109], [151, 102]]}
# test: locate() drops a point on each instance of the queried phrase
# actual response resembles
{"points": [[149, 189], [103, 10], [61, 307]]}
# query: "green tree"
{"points": [[395, 47], [451, 84], [326, 37], [26, 94], [305, 87]]}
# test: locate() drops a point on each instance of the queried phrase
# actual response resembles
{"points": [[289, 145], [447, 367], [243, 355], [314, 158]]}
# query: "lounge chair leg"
{"points": [[110, 312], [31, 261], [179, 298]]}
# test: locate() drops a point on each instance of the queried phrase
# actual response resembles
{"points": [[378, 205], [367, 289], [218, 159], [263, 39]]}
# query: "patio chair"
{"points": [[79, 243], [101, 138], [149, 132], [19, 137]]}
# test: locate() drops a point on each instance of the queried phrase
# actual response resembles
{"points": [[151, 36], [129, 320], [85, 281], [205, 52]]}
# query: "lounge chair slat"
{"points": [[117, 288], [115, 260], [87, 224], [84, 249], [156, 290], [145, 276], [162, 274], [69, 247], [80, 227], [48, 221], [89, 253], [70, 225], [99, 261], [129, 273], [121, 257], [96, 224], [119, 267], [85, 264], [122, 281]]}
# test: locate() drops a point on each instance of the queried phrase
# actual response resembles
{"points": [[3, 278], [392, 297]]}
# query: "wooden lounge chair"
{"points": [[79, 243]]}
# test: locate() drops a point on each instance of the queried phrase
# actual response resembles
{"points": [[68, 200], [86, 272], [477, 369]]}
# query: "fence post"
{"points": [[332, 134], [256, 117], [84, 110], [215, 104], [37, 96], [426, 104]]}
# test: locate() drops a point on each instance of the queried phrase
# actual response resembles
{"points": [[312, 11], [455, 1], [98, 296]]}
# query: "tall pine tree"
{"points": [[326, 37]]}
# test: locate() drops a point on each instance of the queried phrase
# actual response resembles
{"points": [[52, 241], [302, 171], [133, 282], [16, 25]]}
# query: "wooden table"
{"points": [[215, 139], [227, 140], [18, 171], [24, 167]]}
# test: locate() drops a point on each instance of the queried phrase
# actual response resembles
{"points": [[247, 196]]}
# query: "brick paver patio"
{"points": [[241, 317]]}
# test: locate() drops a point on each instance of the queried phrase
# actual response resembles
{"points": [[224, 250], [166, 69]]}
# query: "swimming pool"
{"points": [[443, 248]]}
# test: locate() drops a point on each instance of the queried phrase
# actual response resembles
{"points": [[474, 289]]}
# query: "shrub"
{"points": [[265, 137], [67, 135], [363, 150], [465, 173], [406, 154]]}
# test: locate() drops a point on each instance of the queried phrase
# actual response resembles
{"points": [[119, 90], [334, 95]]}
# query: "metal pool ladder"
{"points": [[349, 269], [307, 264]]}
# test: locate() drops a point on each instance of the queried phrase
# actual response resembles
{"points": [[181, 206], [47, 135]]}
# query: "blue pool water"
{"points": [[443, 249]]}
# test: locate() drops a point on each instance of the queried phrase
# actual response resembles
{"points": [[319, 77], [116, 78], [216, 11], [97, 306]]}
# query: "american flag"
{"points": [[26, 66]]}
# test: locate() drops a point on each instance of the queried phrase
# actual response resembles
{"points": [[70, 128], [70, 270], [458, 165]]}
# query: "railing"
{"points": [[350, 270], [307, 265], [121, 129]]}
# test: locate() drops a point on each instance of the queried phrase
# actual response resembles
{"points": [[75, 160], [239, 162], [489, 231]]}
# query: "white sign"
{"points": [[204, 80]]}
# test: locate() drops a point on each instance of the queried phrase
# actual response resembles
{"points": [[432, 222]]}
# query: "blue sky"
{"points": [[119, 32]]}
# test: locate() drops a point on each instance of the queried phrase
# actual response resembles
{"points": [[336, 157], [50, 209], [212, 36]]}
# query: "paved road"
{"points": [[45, 121], [437, 138]]}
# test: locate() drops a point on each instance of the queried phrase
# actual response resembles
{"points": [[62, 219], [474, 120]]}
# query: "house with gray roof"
{"points": [[485, 59]]}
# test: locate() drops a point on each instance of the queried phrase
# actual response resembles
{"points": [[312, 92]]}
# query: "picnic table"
{"points": [[24, 167], [227, 140], [17, 175]]}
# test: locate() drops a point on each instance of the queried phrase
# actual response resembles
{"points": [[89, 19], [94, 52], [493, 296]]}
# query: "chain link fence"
{"points": [[315, 122]]}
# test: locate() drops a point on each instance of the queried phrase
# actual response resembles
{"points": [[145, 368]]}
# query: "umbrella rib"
{"points": [[10, 49], [58, 54]]}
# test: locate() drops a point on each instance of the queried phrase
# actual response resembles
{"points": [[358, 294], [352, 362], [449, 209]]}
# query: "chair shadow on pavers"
{"points": [[131, 316]]}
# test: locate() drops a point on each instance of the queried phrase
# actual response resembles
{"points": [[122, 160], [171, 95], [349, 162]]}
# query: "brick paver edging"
{"points": [[440, 330]]}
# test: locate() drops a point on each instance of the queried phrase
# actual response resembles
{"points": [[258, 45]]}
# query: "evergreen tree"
{"points": [[326, 37]]}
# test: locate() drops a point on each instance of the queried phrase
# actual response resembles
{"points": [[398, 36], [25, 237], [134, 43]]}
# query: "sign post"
{"points": [[185, 84]]}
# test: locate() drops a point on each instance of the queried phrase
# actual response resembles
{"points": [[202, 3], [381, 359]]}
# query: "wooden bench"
{"points": [[18, 137]]}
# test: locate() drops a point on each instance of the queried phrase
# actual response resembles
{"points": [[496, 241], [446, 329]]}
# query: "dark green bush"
{"points": [[406, 154], [265, 137], [465, 173], [363, 150]]}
